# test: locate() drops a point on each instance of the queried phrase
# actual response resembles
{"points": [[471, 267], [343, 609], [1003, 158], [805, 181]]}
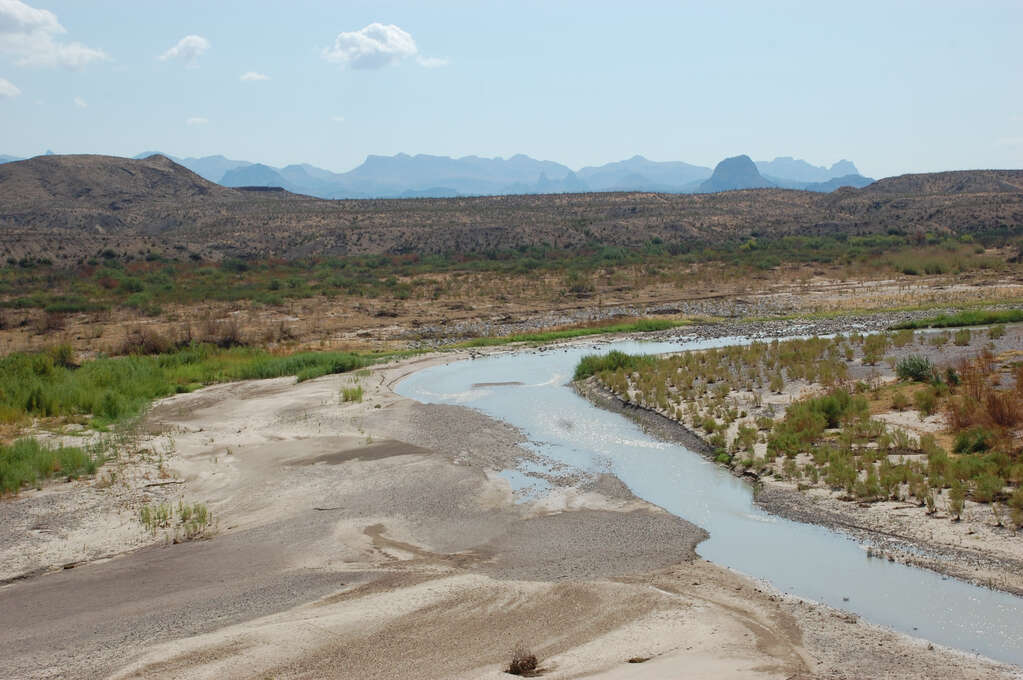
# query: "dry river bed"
{"points": [[374, 540]]}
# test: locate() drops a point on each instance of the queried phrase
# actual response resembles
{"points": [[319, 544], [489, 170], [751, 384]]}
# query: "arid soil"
{"points": [[373, 540], [495, 305]]}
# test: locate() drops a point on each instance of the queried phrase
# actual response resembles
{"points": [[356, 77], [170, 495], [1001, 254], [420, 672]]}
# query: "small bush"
{"points": [[915, 367], [973, 440], [523, 662], [900, 401], [592, 364], [926, 401], [961, 338]]}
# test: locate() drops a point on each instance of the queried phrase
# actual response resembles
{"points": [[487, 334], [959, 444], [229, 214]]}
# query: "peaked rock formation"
{"points": [[737, 172]]}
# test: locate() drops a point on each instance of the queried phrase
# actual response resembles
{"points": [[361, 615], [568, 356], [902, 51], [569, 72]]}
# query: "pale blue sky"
{"points": [[895, 87]]}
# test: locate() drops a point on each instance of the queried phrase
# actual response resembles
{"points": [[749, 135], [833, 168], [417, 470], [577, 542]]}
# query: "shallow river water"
{"points": [[801, 559]]}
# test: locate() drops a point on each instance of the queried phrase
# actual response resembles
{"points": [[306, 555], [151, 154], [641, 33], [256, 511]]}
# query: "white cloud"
{"points": [[1010, 141], [196, 120], [81, 103], [29, 35], [8, 90], [338, 119], [189, 48], [376, 46], [254, 75]]}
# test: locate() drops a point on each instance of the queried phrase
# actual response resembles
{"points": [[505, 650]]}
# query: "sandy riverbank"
{"points": [[373, 539]]}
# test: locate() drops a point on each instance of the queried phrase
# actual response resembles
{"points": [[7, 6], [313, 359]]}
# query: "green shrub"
{"points": [[915, 367], [987, 488], [961, 338], [27, 462], [614, 360], [926, 401], [973, 440]]}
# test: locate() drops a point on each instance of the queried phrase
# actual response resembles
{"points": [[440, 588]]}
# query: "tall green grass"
{"points": [[27, 462], [973, 317], [113, 389], [592, 364]]}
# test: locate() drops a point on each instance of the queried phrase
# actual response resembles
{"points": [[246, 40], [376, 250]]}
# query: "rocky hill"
{"points": [[738, 172], [72, 208]]}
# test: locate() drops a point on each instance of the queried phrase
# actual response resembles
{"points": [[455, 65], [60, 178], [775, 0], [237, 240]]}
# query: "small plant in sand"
{"points": [[353, 394], [192, 520], [523, 662]]}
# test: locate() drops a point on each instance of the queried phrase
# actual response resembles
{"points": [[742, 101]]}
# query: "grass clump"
{"points": [[189, 520], [27, 462], [351, 394], [592, 364]]}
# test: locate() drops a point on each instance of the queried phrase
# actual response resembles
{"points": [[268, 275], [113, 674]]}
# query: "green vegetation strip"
{"points": [[974, 317], [642, 326], [110, 390]]}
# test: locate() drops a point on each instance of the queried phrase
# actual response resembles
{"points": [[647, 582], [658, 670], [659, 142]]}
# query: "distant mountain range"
{"points": [[405, 176], [69, 209]]}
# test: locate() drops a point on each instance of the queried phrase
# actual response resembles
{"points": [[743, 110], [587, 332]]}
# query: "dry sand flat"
{"points": [[372, 540]]}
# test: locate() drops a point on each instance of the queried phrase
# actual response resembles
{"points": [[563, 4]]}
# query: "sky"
{"points": [[895, 87]]}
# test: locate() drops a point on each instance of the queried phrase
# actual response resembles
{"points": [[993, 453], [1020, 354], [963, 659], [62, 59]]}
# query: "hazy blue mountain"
{"points": [[638, 173], [8, 159], [798, 170], [207, 167], [737, 172], [403, 175], [255, 175], [853, 180], [468, 175]]}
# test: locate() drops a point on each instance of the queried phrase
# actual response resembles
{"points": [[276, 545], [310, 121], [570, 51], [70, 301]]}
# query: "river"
{"points": [[801, 559]]}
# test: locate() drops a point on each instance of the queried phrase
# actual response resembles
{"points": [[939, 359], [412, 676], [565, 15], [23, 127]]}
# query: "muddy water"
{"points": [[528, 390]]}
